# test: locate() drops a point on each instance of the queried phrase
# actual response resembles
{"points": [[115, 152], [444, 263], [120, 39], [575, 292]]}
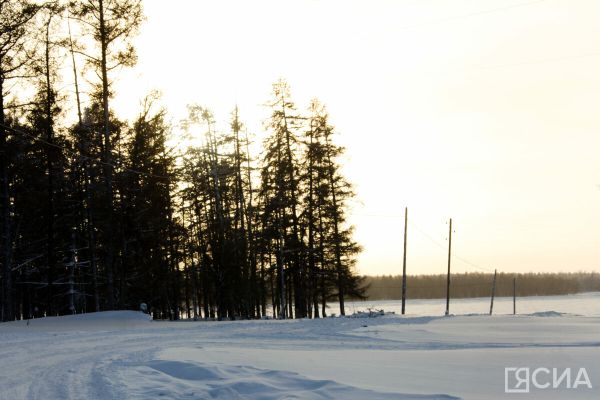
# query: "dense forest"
{"points": [[389, 287], [102, 214]]}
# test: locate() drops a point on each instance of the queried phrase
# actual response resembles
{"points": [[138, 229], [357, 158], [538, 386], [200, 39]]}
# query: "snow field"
{"points": [[123, 355]]}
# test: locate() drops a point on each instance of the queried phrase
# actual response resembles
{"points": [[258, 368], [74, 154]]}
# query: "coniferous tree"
{"points": [[148, 267], [218, 200], [126, 220], [47, 70], [280, 190], [111, 24], [15, 18], [327, 192]]}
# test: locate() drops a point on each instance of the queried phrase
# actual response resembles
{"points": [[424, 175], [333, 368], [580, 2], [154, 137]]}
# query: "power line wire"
{"points": [[454, 255], [541, 61], [469, 15], [429, 237]]}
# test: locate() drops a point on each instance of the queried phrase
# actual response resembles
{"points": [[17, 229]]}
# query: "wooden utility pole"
{"points": [[514, 295], [493, 293], [404, 262], [448, 279]]}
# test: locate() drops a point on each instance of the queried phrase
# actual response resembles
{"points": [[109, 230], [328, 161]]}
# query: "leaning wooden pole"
{"points": [[493, 293], [448, 278], [404, 263], [514, 295]]}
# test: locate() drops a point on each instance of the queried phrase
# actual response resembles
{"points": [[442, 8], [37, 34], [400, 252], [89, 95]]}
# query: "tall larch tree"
{"points": [[111, 24], [326, 199], [280, 191]]}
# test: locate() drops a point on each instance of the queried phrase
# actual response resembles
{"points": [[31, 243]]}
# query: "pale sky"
{"points": [[483, 111]]}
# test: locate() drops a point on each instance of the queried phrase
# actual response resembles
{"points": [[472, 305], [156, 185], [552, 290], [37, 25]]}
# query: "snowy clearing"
{"points": [[124, 355]]}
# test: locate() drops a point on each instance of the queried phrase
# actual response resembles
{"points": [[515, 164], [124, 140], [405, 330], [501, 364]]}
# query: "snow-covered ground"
{"points": [[123, 355], [581, 304]]}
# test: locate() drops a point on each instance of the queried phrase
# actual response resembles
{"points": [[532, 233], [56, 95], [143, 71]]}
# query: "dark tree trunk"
{"points": [[108, 166], [50, 152], [7, 299]]}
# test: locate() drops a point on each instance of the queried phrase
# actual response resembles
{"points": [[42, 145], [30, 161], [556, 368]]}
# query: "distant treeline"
{"points": [[388, 287]]}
